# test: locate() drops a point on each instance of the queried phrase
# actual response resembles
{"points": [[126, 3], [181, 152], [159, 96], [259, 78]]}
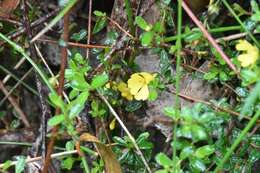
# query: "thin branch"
{"points": [[89, 26], [15, 105], [64, 55], [35, 159], [209, 37]]}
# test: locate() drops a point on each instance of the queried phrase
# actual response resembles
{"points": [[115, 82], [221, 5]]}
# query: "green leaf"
{"points": [[163, 160], [100, 24], [204, 151], [223, 76], [68, 163], [162, 171], [197, 165], [187, 114], [248, 77], [57, 119], [152, 94], [142, 141], [171, 112], [198, 132], [146, 38], [166, 2], [99, 81], [78, 81], [210, 75], [73, 93], [165, 64], [70, 145], [7, 164], [133, 106], [99, 13], [77, 105], [56, 100], [159, 27], [81, 35], [207, 117], [142, 23], [20, 165], [186, 152], [120, 141]]}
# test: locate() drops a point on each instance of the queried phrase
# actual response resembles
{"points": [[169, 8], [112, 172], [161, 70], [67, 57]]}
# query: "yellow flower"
{"points": [[250, 55], [125, 91], [138, 85]]}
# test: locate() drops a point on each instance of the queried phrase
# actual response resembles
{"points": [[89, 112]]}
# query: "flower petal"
{"points": [[143, 93], [147, 76], [135, 83], [243, 45]]}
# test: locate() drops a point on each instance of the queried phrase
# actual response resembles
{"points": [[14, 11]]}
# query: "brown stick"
{"points": [[15, 105], [55, 129], [89, 26], [209, 37]]}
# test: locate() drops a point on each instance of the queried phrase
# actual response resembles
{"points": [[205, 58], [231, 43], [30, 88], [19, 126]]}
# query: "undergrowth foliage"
{"points": [[205, 136]]}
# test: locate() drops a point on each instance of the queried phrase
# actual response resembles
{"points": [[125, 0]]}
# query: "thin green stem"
{"points": [[85, 165], [214, 30], [130, 17], [241, 23], [178, 73]]}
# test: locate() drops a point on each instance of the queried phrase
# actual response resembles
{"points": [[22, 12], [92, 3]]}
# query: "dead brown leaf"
{"points": [[7, 7], [111, 163]]}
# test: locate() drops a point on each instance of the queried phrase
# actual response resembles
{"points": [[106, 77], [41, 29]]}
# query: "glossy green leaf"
{"points": [[120, 141], [147, 38], [56, 100], [223, 76], [204, 151], [68, 163], [57, 119], [163, 160], [100, 24], [197, 165], [142, 23], [81, 35], [99, 81], [171, 112], [77, 105], [133, 106], [186, 152], [7, 164], [198, 132], [248, 77], [99, 13], [165, 64], [210, 75]]}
